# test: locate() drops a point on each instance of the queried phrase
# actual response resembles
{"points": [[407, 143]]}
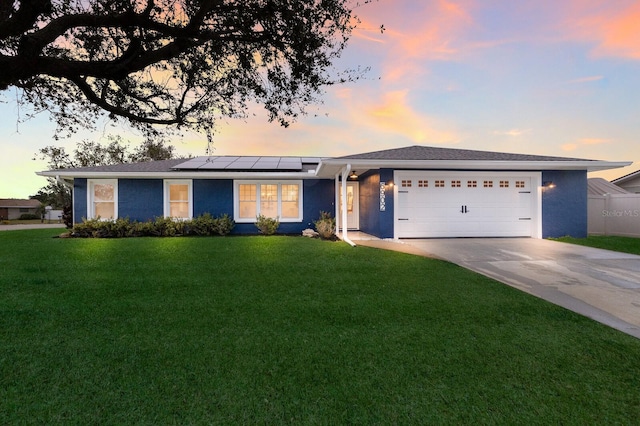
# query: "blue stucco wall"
{"points": [[372, 220], [564, 208], [212, 196], [79, 200], [140, 199], [386, 217], [370, 202], [319, 195]]}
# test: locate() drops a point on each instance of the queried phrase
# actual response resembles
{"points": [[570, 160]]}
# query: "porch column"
{"points": [[345, 237], [337, 213]]}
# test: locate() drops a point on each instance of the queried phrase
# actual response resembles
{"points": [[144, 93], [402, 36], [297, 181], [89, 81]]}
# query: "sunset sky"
{"points": [[545, 77]]}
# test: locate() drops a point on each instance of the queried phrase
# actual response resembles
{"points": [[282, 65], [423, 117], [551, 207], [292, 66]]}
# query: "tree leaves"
{"points": [[175, 63]]}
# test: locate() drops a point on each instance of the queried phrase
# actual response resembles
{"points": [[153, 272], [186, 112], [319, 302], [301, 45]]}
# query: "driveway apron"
{"points": [[600, 284]]}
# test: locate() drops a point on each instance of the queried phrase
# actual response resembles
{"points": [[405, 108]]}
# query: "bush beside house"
{"points": [[205, 225]]}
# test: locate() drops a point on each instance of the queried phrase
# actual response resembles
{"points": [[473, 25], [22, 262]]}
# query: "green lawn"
{"points": [[622, 244], [270, 330]]}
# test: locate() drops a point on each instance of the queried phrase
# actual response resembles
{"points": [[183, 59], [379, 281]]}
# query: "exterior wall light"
{"points": [[548, 185]]}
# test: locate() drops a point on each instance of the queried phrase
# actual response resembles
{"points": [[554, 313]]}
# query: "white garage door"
{"points": [[465, 204]]}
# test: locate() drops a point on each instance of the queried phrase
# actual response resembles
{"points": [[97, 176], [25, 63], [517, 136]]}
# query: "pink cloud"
{"points": [[586, 79], [613, 27], [393, 114], [419, 31]]}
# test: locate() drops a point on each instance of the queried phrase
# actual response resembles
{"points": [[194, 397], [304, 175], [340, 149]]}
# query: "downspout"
{"points": [[345, 237]]}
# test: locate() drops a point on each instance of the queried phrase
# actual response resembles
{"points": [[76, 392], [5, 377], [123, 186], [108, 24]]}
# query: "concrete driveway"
{"points": [[600, 284]]}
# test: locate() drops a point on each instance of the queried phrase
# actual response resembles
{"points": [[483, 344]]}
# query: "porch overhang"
{"points": [[329, 167]]}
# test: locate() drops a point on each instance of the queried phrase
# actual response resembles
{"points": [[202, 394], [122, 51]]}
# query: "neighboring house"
{"points": [[13, 208], [630, 182], [411, 192], [612, 210], [600, 186]]}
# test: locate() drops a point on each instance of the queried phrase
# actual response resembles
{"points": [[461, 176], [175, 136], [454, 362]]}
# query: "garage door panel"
{"points": [[464, 206]]}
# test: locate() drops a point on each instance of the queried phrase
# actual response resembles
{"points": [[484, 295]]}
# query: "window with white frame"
{"points": [[275, 199], [102, 199], [178, 199]]}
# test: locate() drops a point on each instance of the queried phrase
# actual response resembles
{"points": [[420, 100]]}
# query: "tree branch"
{"points": [[23, 18], [102, 103]]}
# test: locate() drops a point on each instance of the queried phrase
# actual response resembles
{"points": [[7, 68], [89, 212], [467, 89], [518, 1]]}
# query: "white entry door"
{"points": [[353, 206]]}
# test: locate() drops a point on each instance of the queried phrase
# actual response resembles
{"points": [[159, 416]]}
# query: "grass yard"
{"points": [[621, 244], [269, 330]]}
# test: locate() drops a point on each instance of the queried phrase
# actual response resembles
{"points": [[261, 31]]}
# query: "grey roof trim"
{"points": [[68, 174], [329, 168]]}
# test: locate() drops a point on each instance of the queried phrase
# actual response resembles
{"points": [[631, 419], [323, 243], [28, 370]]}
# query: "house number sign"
{"points": [[383, 206]]}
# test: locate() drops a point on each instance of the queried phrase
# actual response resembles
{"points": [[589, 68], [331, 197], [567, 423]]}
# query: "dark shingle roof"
{"points": [[16, 202], [418, 152], [147, 166]]}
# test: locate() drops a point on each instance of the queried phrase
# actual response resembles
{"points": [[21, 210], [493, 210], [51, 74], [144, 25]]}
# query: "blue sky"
{"points": [[545, 77]]}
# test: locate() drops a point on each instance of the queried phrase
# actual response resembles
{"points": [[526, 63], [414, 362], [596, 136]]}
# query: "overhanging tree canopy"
{"points": [[170, 62]]}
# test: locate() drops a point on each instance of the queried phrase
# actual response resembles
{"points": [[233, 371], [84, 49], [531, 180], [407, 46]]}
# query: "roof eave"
{"points": [[178, 175], [328, 168]]}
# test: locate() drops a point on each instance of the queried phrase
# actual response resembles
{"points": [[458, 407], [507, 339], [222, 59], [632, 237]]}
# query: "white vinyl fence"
{"points": [[614, 214]]}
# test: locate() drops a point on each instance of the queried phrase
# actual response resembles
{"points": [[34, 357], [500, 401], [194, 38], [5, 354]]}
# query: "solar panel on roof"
{"points": [[215, 165], [241, 164], [193, 163], [290, 164], [245, 163], [266, 163]]}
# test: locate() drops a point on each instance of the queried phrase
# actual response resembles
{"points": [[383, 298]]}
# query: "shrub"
{"points": [[165, 227], [67, 216], [96, 228], [267, 225], [89, 228], [225, 225], [206, 224], [29, 216], [159, 227], [326, 226], [203, 225]]}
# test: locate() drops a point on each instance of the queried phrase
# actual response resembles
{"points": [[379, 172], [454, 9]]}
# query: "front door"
{"points": [[353, 206]]}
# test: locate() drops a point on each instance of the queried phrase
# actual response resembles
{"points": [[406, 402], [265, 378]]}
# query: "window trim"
{"points": [[91, 214], [166, 201], [279, 183]]}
